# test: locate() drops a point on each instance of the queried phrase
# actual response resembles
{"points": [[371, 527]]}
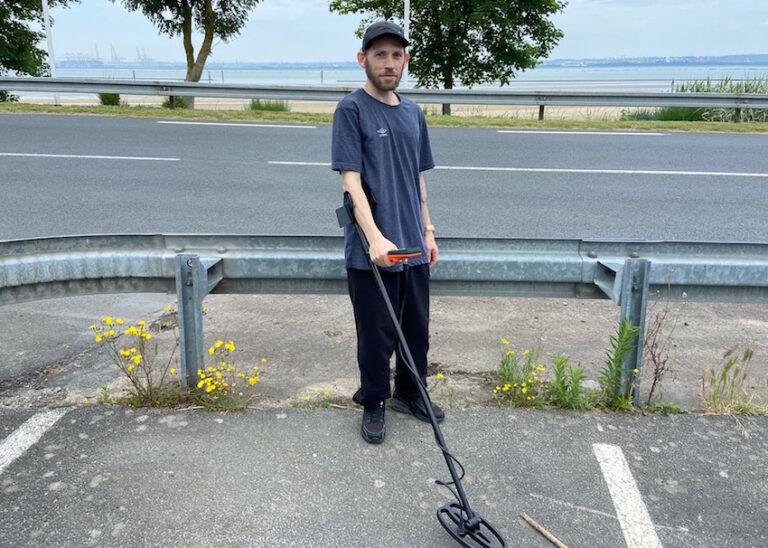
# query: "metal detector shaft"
{"points": [[415, 374]]}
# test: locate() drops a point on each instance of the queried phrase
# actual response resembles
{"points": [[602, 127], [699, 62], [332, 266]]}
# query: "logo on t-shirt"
{"points": [[382, 132]]}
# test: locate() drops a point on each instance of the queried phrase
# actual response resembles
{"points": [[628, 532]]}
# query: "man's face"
{"points": [[384, 62]]}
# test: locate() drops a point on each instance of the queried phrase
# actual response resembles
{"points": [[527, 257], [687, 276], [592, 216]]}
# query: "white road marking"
{"points": [[88, 157], [606, 171], [611, 133], [636, 524], [564, 170], [236, 125], [277, 163], [27, 435]]}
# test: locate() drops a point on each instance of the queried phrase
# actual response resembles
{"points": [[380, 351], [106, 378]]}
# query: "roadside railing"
{"points": [[425, 96], [192, 266]]}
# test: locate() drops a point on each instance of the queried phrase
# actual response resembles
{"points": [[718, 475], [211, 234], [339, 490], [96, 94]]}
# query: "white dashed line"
{"points": [[88, 157], [563, 170], [235, 125], [611, 133], [636, 524], [27, 435]]}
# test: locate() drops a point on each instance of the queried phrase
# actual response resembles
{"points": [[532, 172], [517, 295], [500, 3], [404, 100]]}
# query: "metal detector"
{"points": [[467, 527]]}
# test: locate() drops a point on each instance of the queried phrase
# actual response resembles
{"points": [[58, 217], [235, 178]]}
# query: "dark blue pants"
{"points": [[376, 336]]}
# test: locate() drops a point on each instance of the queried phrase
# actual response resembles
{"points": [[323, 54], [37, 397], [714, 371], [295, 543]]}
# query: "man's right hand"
{"points": [[379, 248]]}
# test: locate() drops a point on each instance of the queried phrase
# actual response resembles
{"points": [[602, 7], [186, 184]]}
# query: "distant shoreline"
{"points": [[757, 60]]}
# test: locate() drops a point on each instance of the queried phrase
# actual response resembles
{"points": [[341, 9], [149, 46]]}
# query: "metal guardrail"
{"points": [[193, 266], [428, 96]]}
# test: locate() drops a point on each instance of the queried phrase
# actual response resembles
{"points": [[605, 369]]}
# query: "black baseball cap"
{"points": [[383, 28]]}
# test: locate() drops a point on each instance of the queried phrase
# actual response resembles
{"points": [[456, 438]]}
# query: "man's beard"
{"points": [[379, 83]]}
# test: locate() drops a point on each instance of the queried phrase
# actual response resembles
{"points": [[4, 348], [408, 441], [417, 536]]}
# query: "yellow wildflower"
{"points": [[504, 341], [142, 323], [498, 388], [218, 374], [635, 371], [523, 390], [98, 338], [326, 393], [85, 400], [440, 376], [108, 320], [230, 346], [510, 353], [263, 360], [541, 368], [525, 352], [210, 388], [255, 367], [168, 308], [253, 380], [119, 321], [307, 397], [130, 368], [93, 327], [200, 384], [241, 375], [219, 344], [133, 350], [111, 333], [147, 336], [211, 350], [173, 370], [137, 359]]}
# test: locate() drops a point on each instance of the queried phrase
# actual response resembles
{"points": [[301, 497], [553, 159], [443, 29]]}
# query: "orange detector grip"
{"points": [[400, 255]]}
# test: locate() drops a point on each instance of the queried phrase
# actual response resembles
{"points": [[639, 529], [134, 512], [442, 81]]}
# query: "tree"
{"points": [[214, 18], [467, 41], [18, 43]]}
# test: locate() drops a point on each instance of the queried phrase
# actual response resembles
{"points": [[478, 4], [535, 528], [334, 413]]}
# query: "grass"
{"points": [[432, 120], [270, 106]]}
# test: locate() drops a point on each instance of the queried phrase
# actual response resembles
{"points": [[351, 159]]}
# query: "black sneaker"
{"points": [[373, 423], [416, 408]]}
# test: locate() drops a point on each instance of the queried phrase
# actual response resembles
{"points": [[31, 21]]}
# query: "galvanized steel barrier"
{"points": [[427, 96], [192, 266]]}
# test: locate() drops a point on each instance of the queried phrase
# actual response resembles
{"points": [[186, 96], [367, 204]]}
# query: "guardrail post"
{"points": [[737, 115], [541, 112], [191, 285], [171, 102], [633, 300]]}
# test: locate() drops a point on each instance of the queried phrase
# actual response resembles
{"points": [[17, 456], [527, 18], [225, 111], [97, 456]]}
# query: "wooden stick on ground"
{"points": [[549, 536]]}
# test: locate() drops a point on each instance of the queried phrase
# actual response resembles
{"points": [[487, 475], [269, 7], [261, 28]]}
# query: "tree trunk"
{"points": [[195, 66], [447, 84], [189, 50]]}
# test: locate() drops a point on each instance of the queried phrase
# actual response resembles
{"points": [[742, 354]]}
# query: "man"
{"points": [[381, 148]]}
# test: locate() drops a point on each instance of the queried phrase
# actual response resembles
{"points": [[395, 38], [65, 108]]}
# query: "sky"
{"points": [[305, 31]]}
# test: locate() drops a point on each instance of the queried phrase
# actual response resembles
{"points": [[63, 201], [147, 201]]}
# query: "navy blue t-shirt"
{"points": [[389, 146]]}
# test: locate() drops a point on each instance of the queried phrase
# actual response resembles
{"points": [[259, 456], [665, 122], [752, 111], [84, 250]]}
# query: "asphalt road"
{"points": [[223, 179], [105, 476]]}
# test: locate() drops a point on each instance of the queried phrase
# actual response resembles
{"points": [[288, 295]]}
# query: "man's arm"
{"points": [[429, 235], [378, 245]]}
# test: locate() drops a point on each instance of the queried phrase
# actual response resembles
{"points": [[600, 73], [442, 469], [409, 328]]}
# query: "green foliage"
{"points": [[104, 397], [19, 51], [610, 381], [272, 106], [753, 86], [467, 42], [223, 20], [566, 389], [109, 99], [519, 378], [178, 102]]}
